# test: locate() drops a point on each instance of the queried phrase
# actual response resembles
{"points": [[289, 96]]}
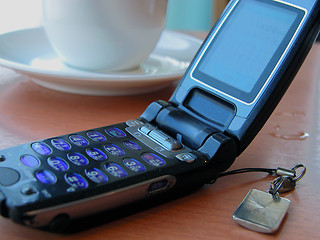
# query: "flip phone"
{"points": [[231, 87]]}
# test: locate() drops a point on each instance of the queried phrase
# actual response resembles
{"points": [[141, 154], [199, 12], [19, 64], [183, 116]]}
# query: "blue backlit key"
{"points": [[96, 175], [133, 165], [58, 164], [77, 159], [41, 148], [114, 150], [153, 159], [115, 132], [96, 154], [60, 144], [96, 136], [115, 170], [131, 145], [46, 177], [30, 160], [75, 180], [79, 140]]}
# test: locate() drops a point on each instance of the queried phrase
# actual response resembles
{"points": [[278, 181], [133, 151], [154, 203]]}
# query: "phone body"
{"points": [[231, 87]]}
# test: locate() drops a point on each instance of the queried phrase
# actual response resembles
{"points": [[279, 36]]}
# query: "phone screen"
{"points": [[247, 48]]}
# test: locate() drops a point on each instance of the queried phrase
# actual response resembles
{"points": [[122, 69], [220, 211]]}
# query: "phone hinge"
{"points": [[221, 149], [218, 147], [185, 128], [153, 110]]}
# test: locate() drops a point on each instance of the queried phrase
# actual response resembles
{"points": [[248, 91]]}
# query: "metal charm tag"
{"points": [[261, 211]]}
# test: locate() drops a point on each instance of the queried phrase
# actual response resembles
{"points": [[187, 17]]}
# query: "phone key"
{"points": [[133, 165], [46, 177], [61, 144], [115, 170], [77, 159], [114, 150], [153, 159], [75, 180], [131, 145], [96, 154], [96, 175], [30, 160], [133, 123], [115, 132], [79, 140], [58, 163], [8, 176], [186, 157], [96, 136], [41, 148], [158, 135], [165, 140], [145, 129]]}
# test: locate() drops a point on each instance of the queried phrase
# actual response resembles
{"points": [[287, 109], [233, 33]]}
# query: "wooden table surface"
{"points": [[29, 112]]}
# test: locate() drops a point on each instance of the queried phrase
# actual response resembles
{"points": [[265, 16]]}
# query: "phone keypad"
{"points": [[83, 160], [104, 152]]}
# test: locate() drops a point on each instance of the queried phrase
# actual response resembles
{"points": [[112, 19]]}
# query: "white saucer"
{"points": [[29, 52]]}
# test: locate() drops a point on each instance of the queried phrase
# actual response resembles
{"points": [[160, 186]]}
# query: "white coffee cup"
{"points": [[108, 35]]}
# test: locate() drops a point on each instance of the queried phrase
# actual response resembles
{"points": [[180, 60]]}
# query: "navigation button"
{"points": [[145, 130], [160, 137]]}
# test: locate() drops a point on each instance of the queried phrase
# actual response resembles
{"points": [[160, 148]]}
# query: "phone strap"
{"points": [[264, 211]]}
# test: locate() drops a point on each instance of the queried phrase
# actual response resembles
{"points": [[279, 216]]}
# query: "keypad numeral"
{"points": [[76, 181], [133, 165], [96, 175], [115, 170], [153, 159], [79, 140], [96, 136], [77, 159], [96, 154]]}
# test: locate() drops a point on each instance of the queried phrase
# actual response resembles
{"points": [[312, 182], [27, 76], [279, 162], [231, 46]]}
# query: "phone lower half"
{"points": [[57, 180]]}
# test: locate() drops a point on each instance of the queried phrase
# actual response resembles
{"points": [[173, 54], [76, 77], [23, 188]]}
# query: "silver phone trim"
{"points": [[91, 205]]}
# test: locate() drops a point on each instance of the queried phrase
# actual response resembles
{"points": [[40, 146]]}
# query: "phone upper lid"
{"points": [[241, 61]]}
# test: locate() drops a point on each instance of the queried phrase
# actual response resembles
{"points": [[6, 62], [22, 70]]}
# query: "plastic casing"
{"points": [[238, 119]]}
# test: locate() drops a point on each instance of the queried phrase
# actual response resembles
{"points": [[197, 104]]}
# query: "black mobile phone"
{"points": [[230, 89]]}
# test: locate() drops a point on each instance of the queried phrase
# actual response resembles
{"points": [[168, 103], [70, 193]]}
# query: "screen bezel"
{"points": [[234, 93]]}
